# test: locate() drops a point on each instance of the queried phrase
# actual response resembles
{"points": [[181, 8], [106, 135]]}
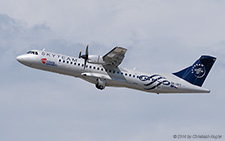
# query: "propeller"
{"points": [[85, 56]]}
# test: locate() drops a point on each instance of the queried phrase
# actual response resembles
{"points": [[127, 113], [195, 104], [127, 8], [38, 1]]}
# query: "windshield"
{"points": [[32, 52]]}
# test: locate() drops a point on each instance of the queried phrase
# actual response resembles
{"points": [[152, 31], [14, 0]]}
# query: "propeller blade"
{"points": [[85, 62], [85, 56], [87, 50], [80, 54]]}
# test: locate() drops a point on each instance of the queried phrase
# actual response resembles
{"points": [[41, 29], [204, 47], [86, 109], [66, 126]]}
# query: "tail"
{"points": [[197, 73]]}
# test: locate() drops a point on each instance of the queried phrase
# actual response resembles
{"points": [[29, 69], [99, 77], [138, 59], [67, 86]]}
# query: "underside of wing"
{"points": [[115, 56]]}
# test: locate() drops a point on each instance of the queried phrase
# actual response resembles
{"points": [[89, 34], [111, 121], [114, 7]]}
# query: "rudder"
{"points": [[197, 73]]}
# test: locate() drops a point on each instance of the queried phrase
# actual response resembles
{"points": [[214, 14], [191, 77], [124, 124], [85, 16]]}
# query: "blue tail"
{"points": [[197, 73]]}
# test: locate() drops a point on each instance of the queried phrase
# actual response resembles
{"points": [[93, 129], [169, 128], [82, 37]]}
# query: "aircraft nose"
{"points": [[19, 58]]}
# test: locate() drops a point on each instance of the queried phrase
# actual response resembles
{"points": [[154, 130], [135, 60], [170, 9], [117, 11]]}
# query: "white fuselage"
{"points": [[112, 76]]}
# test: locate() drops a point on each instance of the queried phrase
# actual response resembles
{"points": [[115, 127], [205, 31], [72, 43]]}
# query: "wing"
{"points": [[115, 56]]}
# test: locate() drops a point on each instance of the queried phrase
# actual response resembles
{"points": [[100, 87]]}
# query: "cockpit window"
{"points": [[32, 52], [29, 52]]}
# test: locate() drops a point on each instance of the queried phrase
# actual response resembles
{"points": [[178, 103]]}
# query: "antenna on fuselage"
{"points": [[43, 49]]}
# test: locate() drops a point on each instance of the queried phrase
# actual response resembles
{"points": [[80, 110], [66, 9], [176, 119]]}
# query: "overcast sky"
{"points": [[160, 35]]}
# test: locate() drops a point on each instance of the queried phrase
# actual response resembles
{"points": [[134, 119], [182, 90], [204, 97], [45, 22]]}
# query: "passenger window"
{"points": [[125, 74], [129, 75], [67, 62], [97, 68], [71, 63], [133, 75], [63, 61], [110, 71], [78, 64], [82, 65], [113, 71], [101, 69], [75, 63], [59, 60], [90, 67], [93, 67]]}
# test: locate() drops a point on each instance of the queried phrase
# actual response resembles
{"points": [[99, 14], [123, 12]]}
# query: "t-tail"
{"points": [[197, 73]]}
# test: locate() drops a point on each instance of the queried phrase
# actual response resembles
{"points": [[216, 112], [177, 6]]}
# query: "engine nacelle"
{"points": [[95, 59], [100, 84]]}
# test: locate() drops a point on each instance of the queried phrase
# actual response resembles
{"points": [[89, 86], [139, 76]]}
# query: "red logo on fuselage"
{"points": [[43, 60]]}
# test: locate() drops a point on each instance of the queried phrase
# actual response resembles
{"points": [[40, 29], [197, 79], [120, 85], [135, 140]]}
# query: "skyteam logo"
{"points": [[45, 61], [154, 81], [144, 77], [198, 70]]}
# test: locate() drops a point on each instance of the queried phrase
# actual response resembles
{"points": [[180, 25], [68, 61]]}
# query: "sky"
{"points": [[160, 35]]}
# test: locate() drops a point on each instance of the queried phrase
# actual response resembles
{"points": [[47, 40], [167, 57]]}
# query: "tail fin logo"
{"points": [[197, 73], [198, 70]]}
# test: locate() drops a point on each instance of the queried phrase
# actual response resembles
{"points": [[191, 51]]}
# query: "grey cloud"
{"points": [[16, 37]]}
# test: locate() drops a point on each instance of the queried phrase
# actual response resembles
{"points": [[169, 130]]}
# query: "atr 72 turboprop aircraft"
{"points": [[105, 71]]}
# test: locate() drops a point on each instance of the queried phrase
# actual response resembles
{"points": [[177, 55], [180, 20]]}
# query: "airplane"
{"points": [[105, 71]]}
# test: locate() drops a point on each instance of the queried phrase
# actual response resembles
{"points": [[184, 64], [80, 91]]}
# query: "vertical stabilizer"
{"points": [[197, 73]]}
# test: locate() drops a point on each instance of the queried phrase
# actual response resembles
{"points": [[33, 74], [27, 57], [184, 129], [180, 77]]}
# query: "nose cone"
{"points": [[26, 59], [19, 58]]}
